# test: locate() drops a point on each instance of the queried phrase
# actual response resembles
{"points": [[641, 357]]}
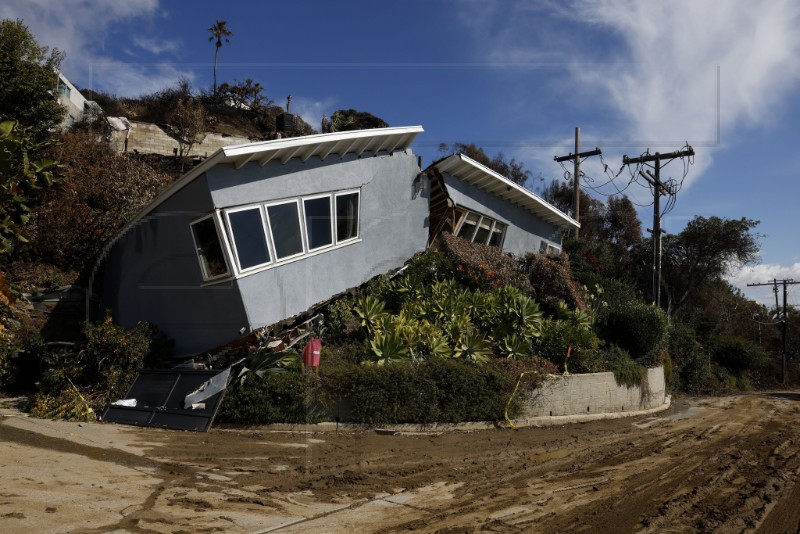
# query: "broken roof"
{"points": [[320, 145], [470, 171]]}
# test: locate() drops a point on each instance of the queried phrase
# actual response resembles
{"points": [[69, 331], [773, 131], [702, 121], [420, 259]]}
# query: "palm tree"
{"points": [[218, 31]]}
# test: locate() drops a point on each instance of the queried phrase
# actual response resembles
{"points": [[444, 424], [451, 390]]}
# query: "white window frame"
{"points": [[335, 217], [301, 222], [332, 205], [264, 227], [466, 213], [222, 246], [228, 243]]}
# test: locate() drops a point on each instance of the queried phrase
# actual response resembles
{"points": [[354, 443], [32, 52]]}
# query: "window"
{"points": [[249, 238], [547, 248], [284, 220], [467, 230], [63, 89], [484, 230], [260, 236], [346, 217], [498, 232], [319, 223], [479, 228], [209, 248]]}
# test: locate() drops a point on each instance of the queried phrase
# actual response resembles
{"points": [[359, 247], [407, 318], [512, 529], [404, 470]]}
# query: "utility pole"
{"points": [[576, 182], [784, 316], [659, 189]]}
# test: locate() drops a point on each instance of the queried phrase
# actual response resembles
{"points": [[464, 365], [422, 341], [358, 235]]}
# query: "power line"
{"points": [[576, 186], [658, 188], [784, 317]]}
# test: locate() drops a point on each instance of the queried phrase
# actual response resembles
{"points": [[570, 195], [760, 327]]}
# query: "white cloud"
{"points": [[655, 64], [156, 46], [764, 273], [83, 28]]}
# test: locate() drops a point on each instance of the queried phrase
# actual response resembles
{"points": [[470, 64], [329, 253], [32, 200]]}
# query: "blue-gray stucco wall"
{"points": [[152, 274], [393, 226], [525, 230]]}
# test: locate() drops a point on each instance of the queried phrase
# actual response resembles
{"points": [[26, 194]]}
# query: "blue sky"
{"points": [[512, 76]]}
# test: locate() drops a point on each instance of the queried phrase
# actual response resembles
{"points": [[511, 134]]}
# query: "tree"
{"points": [[28, 79], [705, 252], [20, 176], [101, 191], [219, 33], [344, 120], [188, 122], [593, 211], [622, 228], [511, 169], [244, 95]]}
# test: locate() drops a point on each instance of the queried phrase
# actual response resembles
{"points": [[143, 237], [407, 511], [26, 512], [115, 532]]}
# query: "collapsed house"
{"points": [[261, 232], [475, 203]]}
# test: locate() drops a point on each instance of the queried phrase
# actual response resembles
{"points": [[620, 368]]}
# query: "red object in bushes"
{"points": [[311, 352]]}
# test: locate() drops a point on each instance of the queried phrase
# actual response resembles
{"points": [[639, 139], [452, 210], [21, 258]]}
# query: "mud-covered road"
{"points": [[707, 465]]}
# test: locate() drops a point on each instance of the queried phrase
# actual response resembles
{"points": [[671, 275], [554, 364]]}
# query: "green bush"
{"points": [[639, 328], [738, 355], [274, 398], [626, 371], [692, 368], [556, 338], [444, 390], [70, 380]]}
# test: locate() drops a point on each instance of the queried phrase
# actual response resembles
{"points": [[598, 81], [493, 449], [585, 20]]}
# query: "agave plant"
{"points": [[438, 346], [387, 348], [371, 311], [473, 347], [263, 363], [515, 347], [529, 316]]}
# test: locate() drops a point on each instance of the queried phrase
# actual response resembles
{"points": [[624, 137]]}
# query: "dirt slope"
{"points": [[711, 465]]}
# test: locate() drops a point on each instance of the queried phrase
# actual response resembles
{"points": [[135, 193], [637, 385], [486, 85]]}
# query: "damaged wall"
{"points": [[154, 274], [393, 226]]}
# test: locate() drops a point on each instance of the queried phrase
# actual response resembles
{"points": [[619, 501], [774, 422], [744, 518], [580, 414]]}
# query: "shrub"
{"points": [[101, 192], [693, 371], [339, 318], [626, 371], [738, 355], [274, 398], [637, 327], [556, 339], [551, 279], [429, 267], [482, 266], [439, 389], [92, 374]]}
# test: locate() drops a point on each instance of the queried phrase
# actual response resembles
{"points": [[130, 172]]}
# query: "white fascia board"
{"points": [[234, 153], [463, 167]]}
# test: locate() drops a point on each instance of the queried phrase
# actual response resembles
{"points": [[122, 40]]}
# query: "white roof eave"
{"points": [[470, 171], [399, 138]]}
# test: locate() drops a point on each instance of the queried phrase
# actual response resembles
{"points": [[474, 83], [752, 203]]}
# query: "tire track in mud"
{"points": [[722, 471]]}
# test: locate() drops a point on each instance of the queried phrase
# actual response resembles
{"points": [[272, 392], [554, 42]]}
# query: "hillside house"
{"points": [[260, 232]]}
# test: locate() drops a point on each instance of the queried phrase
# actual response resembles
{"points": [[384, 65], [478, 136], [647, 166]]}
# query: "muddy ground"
{"points": [[707, 465]]}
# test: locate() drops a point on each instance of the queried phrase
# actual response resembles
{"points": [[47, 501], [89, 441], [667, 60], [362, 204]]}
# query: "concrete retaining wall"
{"points": [[594, 393], [147, 138]]}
